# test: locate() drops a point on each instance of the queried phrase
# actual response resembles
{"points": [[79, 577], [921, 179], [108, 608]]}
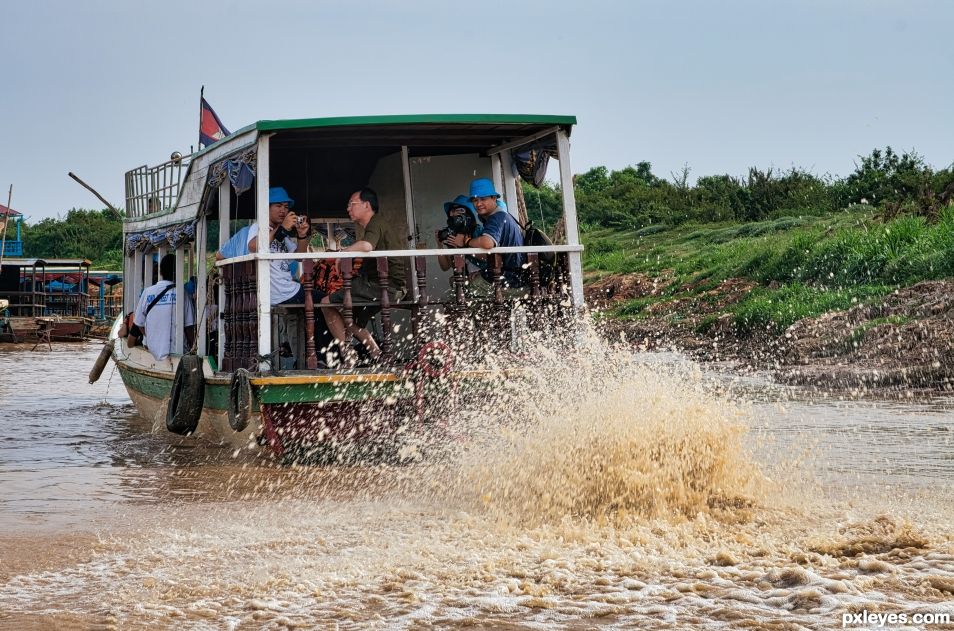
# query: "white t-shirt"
{"points": [[160, 323], [283, 284]]}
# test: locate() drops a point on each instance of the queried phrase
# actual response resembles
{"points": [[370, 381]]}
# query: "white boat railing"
{"points": [[246, 333], [152, 190], [301, 256]]}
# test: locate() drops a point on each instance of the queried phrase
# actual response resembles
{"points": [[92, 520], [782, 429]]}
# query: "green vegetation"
{"points": [[807, 245], [802, 266], [96, 235]]}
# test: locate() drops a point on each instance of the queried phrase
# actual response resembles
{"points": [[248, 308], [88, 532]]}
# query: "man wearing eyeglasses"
{"points": [[378, 234], [500, 230]]}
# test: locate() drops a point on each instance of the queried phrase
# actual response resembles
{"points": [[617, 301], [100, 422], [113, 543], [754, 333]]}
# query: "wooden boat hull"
{"points": [[71, 329], [306, 414], [149, 391], [64, 329]]}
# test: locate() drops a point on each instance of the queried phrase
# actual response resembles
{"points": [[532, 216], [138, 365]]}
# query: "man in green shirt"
{"points": [[365, 286]]}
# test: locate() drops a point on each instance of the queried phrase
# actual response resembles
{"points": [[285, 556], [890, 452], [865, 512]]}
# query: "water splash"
{"points": [[597, 435]]}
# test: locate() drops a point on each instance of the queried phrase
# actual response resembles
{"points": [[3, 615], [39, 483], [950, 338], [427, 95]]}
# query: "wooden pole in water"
{"points": [[6, 218]]}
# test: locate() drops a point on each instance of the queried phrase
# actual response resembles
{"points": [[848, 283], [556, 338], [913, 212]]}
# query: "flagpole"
{"points": [[201, 97]]}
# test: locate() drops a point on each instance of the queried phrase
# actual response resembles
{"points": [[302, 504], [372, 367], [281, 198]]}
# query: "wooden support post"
{"points": [[496, 274], [534, 276], [347, 310], [227, 330], [308, 284], [420, 268], [460, 281], [387, 345]]}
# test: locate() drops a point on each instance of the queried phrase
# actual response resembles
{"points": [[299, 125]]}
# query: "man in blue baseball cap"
{"points": [[500, 230]]}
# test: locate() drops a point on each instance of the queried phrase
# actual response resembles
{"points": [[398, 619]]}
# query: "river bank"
{"points": [[901, 341], [850, 300]]}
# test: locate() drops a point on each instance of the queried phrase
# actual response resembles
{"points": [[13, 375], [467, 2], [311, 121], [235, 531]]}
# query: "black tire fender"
{"points": [[185, 400], [240, 400]]}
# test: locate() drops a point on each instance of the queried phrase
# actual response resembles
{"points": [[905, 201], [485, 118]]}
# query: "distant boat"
{"points": [[257, 374]]}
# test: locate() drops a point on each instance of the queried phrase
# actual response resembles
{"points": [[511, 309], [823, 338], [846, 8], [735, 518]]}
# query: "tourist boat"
{"points": [[46, 295], [256, 375]]}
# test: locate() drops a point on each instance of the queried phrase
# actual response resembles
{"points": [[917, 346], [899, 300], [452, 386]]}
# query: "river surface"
{"points": [[632, 492]]}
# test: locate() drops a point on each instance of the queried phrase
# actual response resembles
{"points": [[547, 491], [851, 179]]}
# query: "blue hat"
{"points": [[278, 194], [460, 200], [482, 187]]}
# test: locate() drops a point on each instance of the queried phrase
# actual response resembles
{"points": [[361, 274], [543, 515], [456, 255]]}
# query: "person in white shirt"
{"points": [[283, 224], [156, 312]]}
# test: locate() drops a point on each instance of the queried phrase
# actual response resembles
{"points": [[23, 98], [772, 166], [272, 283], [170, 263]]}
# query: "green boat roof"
{"points": [[409, 119]]}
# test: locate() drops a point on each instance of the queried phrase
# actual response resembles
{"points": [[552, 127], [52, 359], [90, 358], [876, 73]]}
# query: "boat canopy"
{"points": [[155, 199]]}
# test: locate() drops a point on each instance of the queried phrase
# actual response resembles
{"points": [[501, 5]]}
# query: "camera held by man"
{"points": [[461, 219], [299, 229], [457, 224]]}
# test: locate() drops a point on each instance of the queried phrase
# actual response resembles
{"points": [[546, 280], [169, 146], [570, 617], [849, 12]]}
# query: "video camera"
{"points": [[457, 224]]}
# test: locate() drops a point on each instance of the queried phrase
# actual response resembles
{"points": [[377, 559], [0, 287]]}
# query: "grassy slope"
{"points": [[805, 265]]}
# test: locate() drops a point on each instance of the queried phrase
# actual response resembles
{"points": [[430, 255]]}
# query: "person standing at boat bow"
{"points": [[283, 225], [155, 312]]}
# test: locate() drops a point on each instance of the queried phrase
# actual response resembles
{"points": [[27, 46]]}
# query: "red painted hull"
{"points": [[343, 431]]}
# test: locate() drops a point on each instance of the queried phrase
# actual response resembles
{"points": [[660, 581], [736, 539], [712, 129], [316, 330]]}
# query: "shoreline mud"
{"points": [[903, 341]]}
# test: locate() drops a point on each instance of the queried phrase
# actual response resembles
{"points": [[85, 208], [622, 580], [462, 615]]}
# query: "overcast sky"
{"points": [[100, 86]]}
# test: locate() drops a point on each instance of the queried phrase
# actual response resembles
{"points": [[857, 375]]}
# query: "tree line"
{"points": [[633, 198], [96, 235]]}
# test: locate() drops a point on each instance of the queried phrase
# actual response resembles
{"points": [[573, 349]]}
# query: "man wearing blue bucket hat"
{"points": [[285, 234], [500, 230]]}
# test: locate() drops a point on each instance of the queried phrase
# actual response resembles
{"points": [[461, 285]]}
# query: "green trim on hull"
{"points": [[158, 387], [318, 392]]}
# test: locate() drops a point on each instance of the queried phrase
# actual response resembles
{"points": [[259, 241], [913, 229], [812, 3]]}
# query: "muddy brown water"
{"points": [[632, 492]]}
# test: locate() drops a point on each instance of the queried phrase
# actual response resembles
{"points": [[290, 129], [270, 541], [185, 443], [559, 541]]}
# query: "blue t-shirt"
{"points": [[237, 245], [506, 233]]}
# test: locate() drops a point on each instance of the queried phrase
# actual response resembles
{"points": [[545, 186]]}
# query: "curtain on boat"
{"points": [[172, 236], [238, 168], [530, 161]]}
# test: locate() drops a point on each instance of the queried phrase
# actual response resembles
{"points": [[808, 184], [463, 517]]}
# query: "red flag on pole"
{"points": [[211, 128]]}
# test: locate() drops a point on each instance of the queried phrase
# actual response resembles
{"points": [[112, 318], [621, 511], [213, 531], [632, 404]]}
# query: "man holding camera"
{"points": [[461, 220], [499, 230], [286, 233]]}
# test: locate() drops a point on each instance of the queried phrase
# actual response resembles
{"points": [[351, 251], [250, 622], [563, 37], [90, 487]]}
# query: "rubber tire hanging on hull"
{"points": [[185, 400], [240, 400]]}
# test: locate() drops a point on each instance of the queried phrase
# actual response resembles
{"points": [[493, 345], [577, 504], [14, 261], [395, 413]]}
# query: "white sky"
{"points": [[101, 86]]}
